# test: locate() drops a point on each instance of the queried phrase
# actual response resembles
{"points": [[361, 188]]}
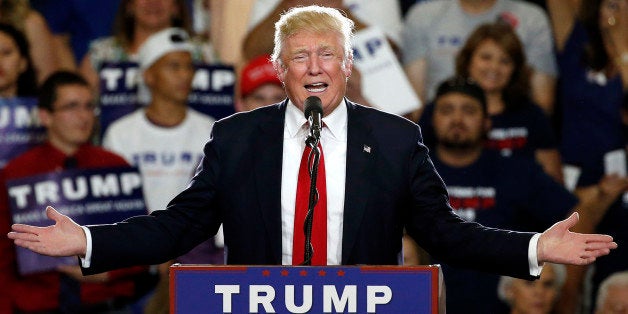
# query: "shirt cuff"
{"points": [[533, 260], [87, 260]]}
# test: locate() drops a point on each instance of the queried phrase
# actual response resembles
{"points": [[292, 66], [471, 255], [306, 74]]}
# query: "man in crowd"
{"points": [[496, 191], [67, 110], [165, 138], [612, 297], [259, 85]]}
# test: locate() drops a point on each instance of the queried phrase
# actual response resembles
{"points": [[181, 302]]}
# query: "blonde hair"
{"points": [[316, 19]]}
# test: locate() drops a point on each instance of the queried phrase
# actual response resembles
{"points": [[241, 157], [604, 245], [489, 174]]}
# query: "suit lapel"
{"points": [[360, 155], [269, 147]]}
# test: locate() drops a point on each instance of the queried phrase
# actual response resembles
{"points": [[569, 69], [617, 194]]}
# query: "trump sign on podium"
{"points": [[300, 289]]}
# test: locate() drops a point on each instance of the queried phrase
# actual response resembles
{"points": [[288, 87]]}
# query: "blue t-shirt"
{"points": [[591, 110], [510, 193], [83, 20], [520, 131]]}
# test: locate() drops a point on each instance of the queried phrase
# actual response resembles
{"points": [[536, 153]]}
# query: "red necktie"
{"points": [[319, 225]]}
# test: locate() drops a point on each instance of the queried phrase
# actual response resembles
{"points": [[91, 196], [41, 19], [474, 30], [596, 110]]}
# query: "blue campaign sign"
{"points": [[213, 90], [118, 91], [20, 128], [298, 289], [94, 196]]}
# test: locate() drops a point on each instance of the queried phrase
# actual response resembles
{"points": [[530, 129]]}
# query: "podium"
{"points": [[306, 289]]}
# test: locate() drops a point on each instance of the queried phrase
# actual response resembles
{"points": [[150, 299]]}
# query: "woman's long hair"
{"points": [[595, 55], [26, 81], [517, 92]]}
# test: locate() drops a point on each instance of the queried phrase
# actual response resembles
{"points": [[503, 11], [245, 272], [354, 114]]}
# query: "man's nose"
{"points": [[314, 66]]}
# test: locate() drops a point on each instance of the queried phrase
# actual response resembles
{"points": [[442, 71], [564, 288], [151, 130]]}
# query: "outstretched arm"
{"points": [[64, 238], [559, 245]]}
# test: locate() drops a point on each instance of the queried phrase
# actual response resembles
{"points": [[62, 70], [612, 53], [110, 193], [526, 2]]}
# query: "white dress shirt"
{"points": [[334, 144]]}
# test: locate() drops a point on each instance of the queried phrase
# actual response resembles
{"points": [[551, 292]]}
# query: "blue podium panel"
{"points": [[300, 289]]}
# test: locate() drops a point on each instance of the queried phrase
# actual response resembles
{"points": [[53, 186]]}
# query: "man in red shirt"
{"points": [[67, 110]]}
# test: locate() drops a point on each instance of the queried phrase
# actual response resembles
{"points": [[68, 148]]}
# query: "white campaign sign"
{"points": [[384, 83]]}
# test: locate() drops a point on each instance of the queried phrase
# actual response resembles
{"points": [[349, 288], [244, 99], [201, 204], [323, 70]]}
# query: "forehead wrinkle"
{"points": [[321, 46]]}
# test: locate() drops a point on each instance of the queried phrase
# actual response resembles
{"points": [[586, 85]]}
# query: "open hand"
{"points": [[559, 245], [64, 238]]}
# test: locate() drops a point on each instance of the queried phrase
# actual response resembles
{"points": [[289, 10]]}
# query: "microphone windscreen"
{"points": [[312, 104]]}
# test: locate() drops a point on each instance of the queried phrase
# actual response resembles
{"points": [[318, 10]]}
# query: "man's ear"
{"points": [[280, 70], [238, 105], [147, 77], [44, 117], [348, 68]]}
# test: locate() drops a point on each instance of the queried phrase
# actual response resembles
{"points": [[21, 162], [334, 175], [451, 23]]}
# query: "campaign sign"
{"points": [[88, 196], [384, 83], [213, 88], [301, 289], [20, 128], [118, 91]]}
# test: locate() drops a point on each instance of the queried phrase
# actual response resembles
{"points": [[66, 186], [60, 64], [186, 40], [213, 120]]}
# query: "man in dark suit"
{"points": [[379, 180]]}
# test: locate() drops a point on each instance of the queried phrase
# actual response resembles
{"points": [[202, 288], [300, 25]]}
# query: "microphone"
{"points": [[313, 110]]}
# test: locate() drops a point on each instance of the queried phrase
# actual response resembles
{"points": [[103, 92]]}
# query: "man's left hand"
{"points": [[559, 245]]}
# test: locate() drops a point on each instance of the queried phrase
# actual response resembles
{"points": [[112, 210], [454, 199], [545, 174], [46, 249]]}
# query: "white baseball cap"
{"points": [[156, 46], [163, 42]]}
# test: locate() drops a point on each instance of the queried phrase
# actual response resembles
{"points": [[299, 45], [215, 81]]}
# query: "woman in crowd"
{"points": [[18, 88], [593, 59], [135, 21], [17, 77], [19, 14]]}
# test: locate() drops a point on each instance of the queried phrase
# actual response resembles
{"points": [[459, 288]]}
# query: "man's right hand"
{"points": [[64, 238]]}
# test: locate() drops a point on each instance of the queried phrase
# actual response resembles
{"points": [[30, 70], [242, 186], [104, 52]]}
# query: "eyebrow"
{"points": [[322, 47]]}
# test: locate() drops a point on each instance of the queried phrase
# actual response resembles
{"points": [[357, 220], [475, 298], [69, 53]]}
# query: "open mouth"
{"points": [[316, 87]]}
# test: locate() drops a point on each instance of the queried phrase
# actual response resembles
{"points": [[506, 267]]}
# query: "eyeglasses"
{"points": [[75, 107]]}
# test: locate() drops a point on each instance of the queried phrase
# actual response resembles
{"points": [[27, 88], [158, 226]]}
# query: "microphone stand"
{"points": [[312, 163]]}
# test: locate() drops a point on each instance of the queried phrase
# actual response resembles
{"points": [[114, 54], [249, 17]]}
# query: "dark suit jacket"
{"points": [[391, 187]]}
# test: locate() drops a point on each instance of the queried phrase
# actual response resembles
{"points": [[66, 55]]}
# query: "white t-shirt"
{"points": [[384, 14], [166, 156]]}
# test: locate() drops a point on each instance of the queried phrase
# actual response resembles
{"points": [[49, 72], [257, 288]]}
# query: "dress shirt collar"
{"points": [[335, 122]]}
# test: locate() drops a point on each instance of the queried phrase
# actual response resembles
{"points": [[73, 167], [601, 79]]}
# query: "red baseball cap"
{"points": [[256, 73]]}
